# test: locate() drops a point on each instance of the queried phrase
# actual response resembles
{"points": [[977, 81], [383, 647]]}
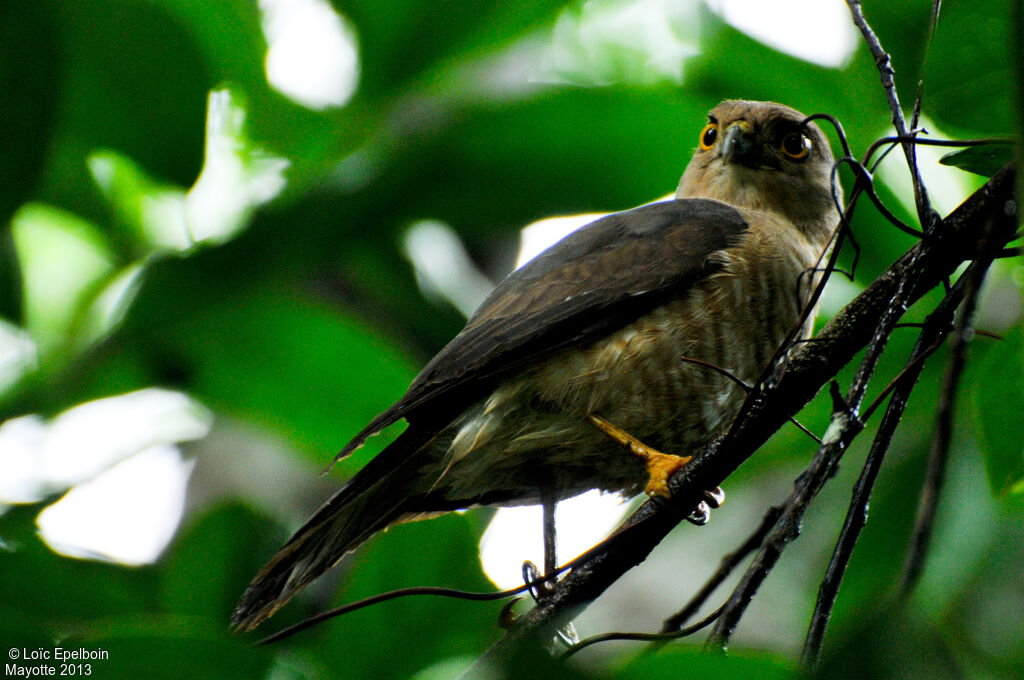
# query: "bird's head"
{"points": [[757, 155]]}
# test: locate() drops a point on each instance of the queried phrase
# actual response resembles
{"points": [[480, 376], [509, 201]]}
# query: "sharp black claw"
{"points": [[715, 497], [700, 515], [507, 616], [568, 635]]}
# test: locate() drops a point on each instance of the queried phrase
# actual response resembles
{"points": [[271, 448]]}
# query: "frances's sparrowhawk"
{"points": [[588, 344]]}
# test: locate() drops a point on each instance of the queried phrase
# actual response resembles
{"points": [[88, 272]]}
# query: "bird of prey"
{"points": [[590, 347]]}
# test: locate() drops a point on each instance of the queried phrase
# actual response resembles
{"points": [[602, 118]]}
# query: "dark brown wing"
{"points": [[592, 282]]}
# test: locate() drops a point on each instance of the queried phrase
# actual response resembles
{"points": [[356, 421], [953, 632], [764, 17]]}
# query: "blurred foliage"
{"points": [[302, 319], [981, 160]]}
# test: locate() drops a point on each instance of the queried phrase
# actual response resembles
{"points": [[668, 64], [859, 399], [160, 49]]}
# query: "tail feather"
{"points": [[372, 500]]}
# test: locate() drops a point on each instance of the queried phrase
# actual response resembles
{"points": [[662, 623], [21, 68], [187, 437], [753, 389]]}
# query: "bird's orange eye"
{"points": [[796, 145], [708, 136]]}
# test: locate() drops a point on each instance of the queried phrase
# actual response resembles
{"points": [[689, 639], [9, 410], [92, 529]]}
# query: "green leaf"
{"points": [[55, 594], [272, 355], [151, 211], [169, 647], [981, 160], [111, 302], [30, 62], [998, 409], [694, 662], [63, 259], [968, 77], [411, 633], [207, 568], [440, 32], [131, 81], [236, 178]]}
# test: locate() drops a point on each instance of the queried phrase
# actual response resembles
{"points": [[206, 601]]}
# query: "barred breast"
{"points": [[533, 432]]}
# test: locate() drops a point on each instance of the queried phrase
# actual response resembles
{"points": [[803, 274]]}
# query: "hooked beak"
{"points": [[738, 145]]}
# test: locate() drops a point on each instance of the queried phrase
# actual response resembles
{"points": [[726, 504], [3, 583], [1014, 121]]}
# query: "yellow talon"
{"points": [[660, 466]]}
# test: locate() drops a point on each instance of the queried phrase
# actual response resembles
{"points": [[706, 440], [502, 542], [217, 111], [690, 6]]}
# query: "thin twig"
{"points": [[933, 23], [830, 253], [384, 597], [934, 330], [977, 331], [887, 73], [844, 427], [866, 184], [939, 453], [643, 637], [856, 517], [746, 388], [434, 591], [929, 141], [909, 374], [725, 568]]}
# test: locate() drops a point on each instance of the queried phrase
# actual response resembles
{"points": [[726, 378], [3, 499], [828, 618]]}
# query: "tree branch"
{"points": [[935, 329], [729, 562], [846, 424], [888, 74], [939, 453]]}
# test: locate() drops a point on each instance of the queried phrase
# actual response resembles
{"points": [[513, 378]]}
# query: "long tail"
{"points": [[372, 500]]}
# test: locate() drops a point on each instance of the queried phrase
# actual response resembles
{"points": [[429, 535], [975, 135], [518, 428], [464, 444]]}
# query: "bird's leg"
{"points": [[550, 547], [541, 590], [660, 466], [567, 633]]}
